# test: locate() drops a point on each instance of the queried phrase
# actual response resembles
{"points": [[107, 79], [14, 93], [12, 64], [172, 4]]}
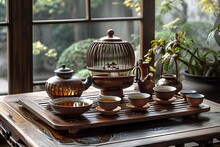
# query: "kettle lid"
{"points": [[110, 37], [64, 72]]}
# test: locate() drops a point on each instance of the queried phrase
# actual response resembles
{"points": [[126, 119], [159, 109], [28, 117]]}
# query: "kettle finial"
{"points": [[63, 66]]}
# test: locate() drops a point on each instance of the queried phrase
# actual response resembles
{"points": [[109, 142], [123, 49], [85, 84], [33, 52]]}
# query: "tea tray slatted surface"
{"points": [[91, 119]]}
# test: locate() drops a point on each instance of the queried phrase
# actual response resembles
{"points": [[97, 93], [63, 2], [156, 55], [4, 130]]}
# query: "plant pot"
{"points": [[215, 81], [209, 86]]}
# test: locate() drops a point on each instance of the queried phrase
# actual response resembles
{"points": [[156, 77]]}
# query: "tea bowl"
{"points": [[164, 92], [109, 103], [184, 92], [195, 99], [72, 106], [138, 99]]}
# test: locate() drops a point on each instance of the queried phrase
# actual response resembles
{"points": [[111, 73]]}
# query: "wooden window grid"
{"points": [[20, 38]]}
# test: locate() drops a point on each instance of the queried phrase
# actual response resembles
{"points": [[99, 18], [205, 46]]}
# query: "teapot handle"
{"points": [[137, 73], [175, 67]]}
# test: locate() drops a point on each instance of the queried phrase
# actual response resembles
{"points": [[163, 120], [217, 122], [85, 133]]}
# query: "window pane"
{"points": [[114, 8], [70, 42], [3, 61], [188, 17], [58, 9], [2, 10], [51, 40]]}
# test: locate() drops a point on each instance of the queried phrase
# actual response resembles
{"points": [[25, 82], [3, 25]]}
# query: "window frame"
{"points": [[20, 38]]}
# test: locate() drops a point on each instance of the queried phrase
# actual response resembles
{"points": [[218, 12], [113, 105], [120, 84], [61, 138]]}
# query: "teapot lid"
{"points": [[64, 72], [110, 37]]}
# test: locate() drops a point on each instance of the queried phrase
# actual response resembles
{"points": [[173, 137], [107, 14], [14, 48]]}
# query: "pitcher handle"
{"points": [[175, 67], [137, 72]]}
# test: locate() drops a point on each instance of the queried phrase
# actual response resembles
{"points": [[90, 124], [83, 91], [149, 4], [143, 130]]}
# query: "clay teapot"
{"points": [[170, 80], [64, 84]]}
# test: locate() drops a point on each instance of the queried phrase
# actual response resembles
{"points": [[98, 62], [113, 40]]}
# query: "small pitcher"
{"points": [[144, 82]]}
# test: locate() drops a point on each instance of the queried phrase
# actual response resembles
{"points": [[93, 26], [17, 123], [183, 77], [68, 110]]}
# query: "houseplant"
{"points": [[198, 60], [201, 65]]}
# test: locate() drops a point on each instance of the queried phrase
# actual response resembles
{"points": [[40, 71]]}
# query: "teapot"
{"points": [[64, 84], [170, 80]]}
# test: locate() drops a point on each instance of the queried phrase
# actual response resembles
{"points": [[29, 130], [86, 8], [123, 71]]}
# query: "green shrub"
{"points": [[82, 73], [196, 30], [74, 56]]}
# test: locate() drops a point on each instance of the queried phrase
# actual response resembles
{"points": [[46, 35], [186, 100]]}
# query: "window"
{"points": [[56, 25], [195, 18], [62, 25], [3, 48]]}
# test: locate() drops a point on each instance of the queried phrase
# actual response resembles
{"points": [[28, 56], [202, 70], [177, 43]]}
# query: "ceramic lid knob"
{"points": [[64, 72]]}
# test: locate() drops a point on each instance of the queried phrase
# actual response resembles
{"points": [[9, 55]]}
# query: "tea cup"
{"points": [[195, 99], [164, 92], [109, 103], [138, 99]]}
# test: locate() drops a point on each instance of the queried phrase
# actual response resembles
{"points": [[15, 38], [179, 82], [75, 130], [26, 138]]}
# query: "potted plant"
{"points": [[179, 50]]}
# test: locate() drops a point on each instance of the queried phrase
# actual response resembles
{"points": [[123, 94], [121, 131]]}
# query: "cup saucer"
{"points": [[133, 108], [104, 112], [163, 102]]}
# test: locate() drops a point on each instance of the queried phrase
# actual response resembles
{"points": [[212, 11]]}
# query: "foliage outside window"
{"points": [[195, 19], [3, 48]]}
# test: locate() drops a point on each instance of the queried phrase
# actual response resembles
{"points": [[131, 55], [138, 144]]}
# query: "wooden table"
{"points": [[20, 127]]}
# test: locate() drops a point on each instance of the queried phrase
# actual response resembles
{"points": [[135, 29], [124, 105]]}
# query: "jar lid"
{"points": [[64, 72], [169, 76], [110, 36]]}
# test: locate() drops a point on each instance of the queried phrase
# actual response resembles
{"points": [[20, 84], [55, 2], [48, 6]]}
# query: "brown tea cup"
{"points": [[184, 92], [164, 92], [109, 103], [195, 99], [138, 99]]}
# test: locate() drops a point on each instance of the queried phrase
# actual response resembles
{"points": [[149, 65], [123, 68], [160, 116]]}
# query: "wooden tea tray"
{"points": [[92, 119]]}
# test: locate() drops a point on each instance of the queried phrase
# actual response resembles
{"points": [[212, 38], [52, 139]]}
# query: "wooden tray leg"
{"points": [[180, 145], [195, 116], [205, 143]]}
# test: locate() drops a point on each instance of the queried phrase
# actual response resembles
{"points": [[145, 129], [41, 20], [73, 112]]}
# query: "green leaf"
{"points": [[211, 36], [171, 25]]}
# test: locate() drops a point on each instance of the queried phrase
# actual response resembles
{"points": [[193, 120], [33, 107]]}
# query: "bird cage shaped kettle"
{"points": [[110, 61]]}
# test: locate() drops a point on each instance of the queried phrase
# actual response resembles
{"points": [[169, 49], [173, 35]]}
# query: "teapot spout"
{"points": [[87, 83]]}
